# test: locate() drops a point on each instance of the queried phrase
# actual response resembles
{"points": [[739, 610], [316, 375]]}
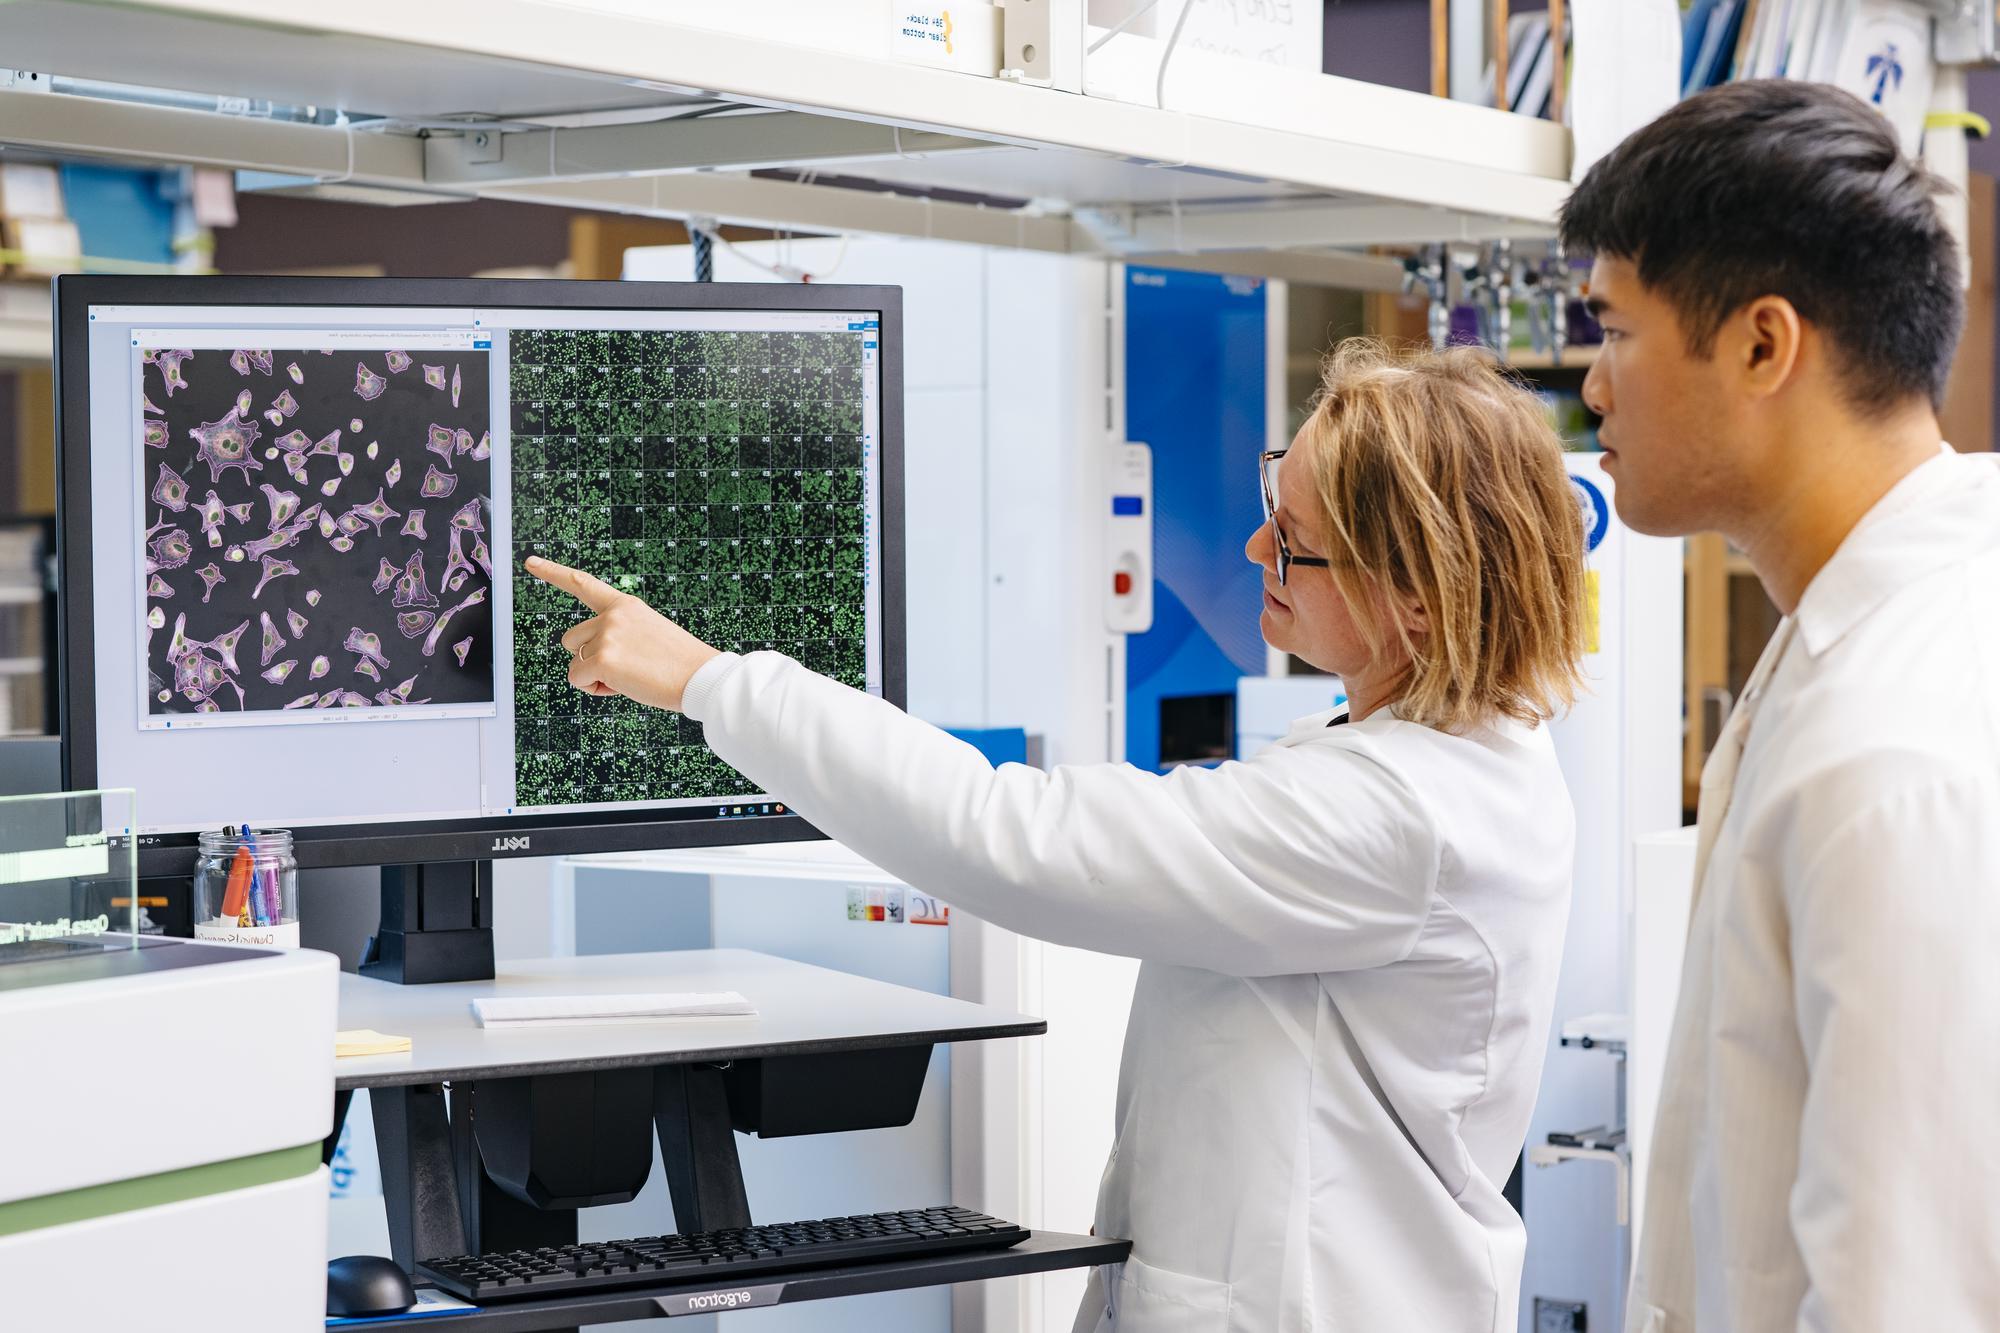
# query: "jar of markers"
{"points": [[246, 888]]}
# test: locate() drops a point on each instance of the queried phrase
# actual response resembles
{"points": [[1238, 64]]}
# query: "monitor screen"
{"points": [[295, 512]]}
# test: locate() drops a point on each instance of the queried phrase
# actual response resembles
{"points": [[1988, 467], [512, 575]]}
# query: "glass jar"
{"points": [[246, 888]]}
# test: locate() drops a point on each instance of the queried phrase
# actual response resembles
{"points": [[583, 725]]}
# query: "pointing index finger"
{"points": [[592, 591]]}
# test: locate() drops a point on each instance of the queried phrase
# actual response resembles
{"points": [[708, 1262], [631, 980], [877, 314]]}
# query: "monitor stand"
{"points": [[437, 924]]}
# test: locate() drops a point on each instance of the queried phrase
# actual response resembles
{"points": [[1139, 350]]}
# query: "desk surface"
{"points": [[801, 1010]]}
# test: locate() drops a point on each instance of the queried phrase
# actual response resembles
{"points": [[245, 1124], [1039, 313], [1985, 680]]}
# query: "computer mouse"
{"points": [[364, 1284]]}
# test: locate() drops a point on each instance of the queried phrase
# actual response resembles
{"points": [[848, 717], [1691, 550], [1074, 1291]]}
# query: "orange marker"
{"points": [[236, 894]]}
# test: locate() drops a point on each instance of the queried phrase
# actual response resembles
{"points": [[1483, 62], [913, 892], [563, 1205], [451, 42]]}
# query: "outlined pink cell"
{"points": [[398, 361], [295, 442], [274, 568], [158, 587], [328, 444], [225, 645], [278, 540], [212, 510], [461, 441], [327, 527], [281, 409], [343, 543], [241, 512], [243, 403], [226, 444], [170, 490], [457, 568], [454, 384], [483, 450], [273, 641], [440, 442], [368, 386], [242, 359], [298, 376], [351, 523], [278, 674], [327, 488], [374, 447], [413, 526], [304, 700], [413, 623], [330, 699], [169, 550], [395, 472], [284, 505], [295, 622], [481, 556], [477, 596], [467, 516], [170, 368], [346, 462], [320, 666], [367, 667], [155, 433], [312, 597], [211, 574], [437, 484], [412, 588], [385, 574], [377, 511], [434, 376], [355, 426], [462, 647]]}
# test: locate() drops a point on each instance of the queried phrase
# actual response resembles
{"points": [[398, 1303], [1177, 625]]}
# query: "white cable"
{"points": [[348, 174], [1123, 24], [1160, 85]]}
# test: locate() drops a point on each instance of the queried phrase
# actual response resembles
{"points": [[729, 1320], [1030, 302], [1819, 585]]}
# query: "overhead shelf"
{"points": [[582, 104]]}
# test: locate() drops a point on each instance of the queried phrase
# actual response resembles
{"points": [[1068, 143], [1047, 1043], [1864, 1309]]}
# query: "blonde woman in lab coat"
{"points": [[1350, 941]]}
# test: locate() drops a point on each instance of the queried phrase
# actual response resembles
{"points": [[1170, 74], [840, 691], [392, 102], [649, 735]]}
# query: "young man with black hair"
{"points": [[1780, 302]]}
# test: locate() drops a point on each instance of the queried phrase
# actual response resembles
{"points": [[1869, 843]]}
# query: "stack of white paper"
{"points": [[555, 1011]]}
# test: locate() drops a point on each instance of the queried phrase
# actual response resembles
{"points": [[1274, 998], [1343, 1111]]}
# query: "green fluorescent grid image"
{"points": [[717, 475]]}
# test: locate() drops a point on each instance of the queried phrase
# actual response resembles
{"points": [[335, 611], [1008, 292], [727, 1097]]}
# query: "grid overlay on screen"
{"points": [[718, 475]]}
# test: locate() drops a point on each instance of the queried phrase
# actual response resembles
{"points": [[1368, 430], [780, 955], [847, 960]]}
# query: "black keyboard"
{"points": [[735, 1255]]}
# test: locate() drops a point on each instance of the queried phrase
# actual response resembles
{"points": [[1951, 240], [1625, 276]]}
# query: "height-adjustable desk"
{"points": [[544, 1121]]}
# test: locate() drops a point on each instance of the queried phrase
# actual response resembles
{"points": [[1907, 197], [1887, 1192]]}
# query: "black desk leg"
{"points": [[698, 1148], [341, 1101], [413, 1139]]}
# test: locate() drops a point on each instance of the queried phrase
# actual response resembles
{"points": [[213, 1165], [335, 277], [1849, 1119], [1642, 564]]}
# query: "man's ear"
{"points": [[1762, 343]]}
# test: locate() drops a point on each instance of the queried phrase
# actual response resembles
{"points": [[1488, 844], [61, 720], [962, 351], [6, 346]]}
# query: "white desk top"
{"points": [[801, 1009], [819, 859]]}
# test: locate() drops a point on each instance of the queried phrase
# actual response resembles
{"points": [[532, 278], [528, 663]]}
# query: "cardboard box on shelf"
{"points": [[30, 190], [40, 247]]}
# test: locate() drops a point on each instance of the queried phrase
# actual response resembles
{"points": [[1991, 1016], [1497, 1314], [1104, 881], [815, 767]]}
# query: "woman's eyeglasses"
{"points": [[1267, 477]]}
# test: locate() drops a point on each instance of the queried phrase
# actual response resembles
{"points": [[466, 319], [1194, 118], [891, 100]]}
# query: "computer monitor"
{"points": [[294, 512]]}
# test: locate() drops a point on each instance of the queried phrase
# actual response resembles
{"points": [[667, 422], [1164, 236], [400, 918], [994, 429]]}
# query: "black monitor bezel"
{"points": [[458, 839]]}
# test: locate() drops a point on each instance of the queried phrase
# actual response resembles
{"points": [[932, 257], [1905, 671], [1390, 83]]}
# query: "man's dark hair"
{"points": [[1774, 187]]}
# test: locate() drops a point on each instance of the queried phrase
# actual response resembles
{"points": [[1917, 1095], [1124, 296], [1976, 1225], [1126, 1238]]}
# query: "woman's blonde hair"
{"points": [[1440, 480]]}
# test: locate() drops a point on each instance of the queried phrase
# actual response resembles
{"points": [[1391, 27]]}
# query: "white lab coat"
{"points": [[1351, 947], [1825, 1156]]}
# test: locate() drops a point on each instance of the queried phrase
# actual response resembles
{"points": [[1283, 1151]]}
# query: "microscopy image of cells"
{"points": [[155, 433], [320, 666], [274, 568], [295, 525], [477, 596], [278, 674], [368, 386], [243, 361], [171, 490], [274, 642], [224, 646], [438, 484], [398, 361], [434, 376], [467, 517], [284, 504], [461, 648], [483, 450], [304, 700], [454, 386], [400, 695], [225, 444], [158, 587], [156, 618]]}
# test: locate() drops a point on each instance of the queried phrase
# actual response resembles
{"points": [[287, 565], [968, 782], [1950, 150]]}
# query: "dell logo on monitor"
{"points": [[510, 844]]}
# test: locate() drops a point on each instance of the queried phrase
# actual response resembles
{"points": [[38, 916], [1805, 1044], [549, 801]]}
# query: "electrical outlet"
{"points": [[1561, 1316]]}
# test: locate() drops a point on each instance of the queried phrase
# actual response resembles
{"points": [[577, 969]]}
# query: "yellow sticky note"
{"points": [[1591, 606], [367, 1041]]}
